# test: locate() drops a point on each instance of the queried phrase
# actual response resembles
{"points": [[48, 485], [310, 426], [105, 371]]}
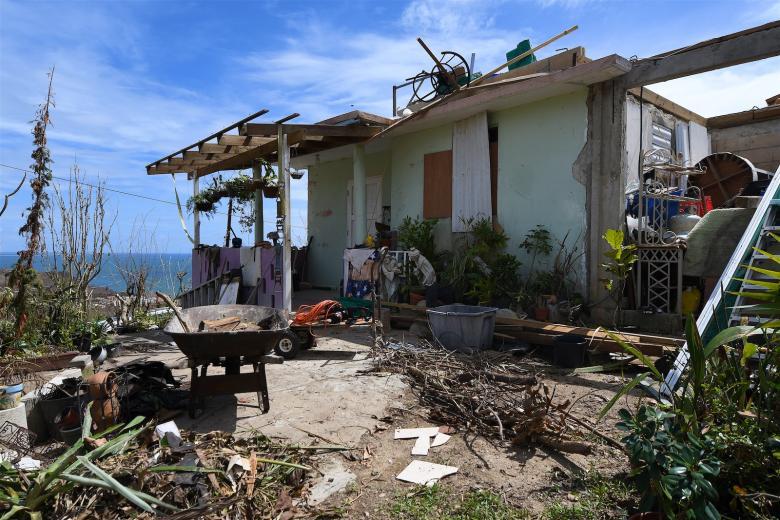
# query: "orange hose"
{"points": [[313, 313]]}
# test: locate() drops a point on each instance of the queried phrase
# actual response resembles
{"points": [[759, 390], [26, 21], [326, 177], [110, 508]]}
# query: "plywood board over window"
{"points": [[437, 185]]}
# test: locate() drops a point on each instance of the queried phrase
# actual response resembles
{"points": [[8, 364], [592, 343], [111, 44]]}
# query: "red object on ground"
{"points": [[313, 313]]}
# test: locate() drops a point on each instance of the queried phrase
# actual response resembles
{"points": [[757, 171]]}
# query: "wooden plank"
{"points": [[364, 117], [268, 129], [748, 142], [554, 63], [667, 105], [733, 49], [437, 185], [245, 159], [242, 140], [745, 117], [602, 345], [211, 148], [557, 328], [212, 136]]}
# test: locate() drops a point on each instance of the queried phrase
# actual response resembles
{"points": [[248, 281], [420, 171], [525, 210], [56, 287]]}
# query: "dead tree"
{"points": [[79, 234], [23, 276]]}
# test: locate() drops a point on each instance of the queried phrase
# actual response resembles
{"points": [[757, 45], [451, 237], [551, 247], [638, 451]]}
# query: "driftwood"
{"points": [[485, 393], [222, 324]]}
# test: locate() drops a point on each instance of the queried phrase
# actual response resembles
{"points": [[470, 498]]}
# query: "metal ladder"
{"points": [[742, 312]]}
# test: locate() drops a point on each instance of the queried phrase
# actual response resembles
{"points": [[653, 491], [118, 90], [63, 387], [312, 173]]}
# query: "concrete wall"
{"points": [[537, 147], [327, 215], [759, 142]]}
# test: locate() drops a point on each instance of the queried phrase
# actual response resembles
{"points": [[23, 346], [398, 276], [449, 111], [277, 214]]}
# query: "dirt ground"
{"points": [[327, 396]]}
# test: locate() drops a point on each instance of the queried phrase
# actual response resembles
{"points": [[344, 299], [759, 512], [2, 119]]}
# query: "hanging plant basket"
{"points": [[203, 206], [270, 191]]}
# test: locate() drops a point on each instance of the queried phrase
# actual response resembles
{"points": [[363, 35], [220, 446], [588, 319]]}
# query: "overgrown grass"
{"points": [[434, 503], [598, 497]]}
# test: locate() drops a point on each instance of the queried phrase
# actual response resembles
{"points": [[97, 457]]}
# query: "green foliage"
{"points": [[436, 502], [718, 444], [675, 469], [622, 258], [480, 269], [418, 234]]}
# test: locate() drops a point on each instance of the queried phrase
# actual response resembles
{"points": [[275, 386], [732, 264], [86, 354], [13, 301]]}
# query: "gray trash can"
{"points": [[460, 327]]}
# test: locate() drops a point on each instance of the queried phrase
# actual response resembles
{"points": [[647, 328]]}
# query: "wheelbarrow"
{"points": [[229, 349]]}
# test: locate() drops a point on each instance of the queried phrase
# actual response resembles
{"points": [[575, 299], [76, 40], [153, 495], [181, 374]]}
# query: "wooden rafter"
{"points": [[269, 129], [244, 159]]}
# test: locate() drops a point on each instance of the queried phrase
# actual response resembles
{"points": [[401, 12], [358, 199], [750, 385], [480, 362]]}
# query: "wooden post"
{"points": [[283, 158], [196, 213], [257, 174]]}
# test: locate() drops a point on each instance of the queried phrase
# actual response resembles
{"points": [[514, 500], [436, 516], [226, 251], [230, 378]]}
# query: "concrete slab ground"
{"points": [[315, 395]]}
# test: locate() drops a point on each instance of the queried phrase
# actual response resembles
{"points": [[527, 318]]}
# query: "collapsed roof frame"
{"points": [[254, 142]]}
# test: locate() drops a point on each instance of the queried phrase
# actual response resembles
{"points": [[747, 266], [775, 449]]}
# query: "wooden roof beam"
{"points": [[242, 140], [268, 129], [245, 159], [218, 133], [211, 148], [753, 44]]}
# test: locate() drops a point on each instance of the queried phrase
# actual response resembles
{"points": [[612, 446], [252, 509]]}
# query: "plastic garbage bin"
{"points": [[569, 350], [460, 327]]}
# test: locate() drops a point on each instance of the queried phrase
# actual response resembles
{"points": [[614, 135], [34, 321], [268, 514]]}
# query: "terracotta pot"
{"points": [[415, 298], [541, 313]]}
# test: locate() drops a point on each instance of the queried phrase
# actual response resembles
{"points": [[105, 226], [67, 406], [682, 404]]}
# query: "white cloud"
{"points": [[727, 90]]}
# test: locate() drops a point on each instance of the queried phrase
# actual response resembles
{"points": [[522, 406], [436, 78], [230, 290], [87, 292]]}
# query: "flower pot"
{"points": [[270, 192], [569, 350], [10, 396], [541, 313], [415, 298]]}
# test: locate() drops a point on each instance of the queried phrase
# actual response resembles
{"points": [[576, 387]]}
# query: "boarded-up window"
{"points": [[437, 185]]}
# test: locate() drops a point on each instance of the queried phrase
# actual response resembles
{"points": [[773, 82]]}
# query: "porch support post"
{"points": [[284, 184], [257, 174], [196, 213], [359, 193]]}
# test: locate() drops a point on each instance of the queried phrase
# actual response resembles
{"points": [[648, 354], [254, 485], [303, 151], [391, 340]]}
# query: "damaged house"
{"points": [[575, 144], [558, 142]]}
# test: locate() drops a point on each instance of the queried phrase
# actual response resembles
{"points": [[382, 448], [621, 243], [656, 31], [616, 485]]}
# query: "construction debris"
{"points": [[425, 473], [212, 475], [485, 393]]}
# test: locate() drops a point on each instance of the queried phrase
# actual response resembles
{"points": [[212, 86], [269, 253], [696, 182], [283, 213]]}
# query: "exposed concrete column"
{"points": [[257, 174], [196, 213], [359, 193], [605, 183]]}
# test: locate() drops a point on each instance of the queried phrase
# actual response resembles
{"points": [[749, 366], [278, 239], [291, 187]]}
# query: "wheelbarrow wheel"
{"points": [[288, 345]]}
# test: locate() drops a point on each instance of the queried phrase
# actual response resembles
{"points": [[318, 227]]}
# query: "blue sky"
{"points": [[137, 80]]}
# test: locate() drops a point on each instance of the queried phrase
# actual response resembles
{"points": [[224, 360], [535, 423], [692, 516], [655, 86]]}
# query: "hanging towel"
{"points": [[470, 171]]}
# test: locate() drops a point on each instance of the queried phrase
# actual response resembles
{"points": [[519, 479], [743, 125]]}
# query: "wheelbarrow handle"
{"points": [[169, 303]]}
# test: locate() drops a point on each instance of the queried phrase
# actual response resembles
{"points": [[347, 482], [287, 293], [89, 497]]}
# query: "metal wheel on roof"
{"points": [[427, 86]]}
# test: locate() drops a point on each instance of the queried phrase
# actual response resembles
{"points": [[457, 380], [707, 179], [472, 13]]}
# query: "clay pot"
{"points": [[541, 313]]}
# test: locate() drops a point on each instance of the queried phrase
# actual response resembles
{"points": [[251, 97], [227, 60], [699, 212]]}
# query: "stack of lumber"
{"points": [[544, 333]]}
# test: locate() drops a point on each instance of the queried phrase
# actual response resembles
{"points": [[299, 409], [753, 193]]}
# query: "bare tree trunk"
{"points": [[79, 233]]}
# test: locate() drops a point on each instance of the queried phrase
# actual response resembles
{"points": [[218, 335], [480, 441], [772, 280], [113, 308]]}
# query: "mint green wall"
{"points": [[537, 146], [327, 215]]}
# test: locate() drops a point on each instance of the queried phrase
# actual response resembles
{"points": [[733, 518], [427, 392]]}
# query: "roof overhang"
{"points": [[254, 142], [493, 96]]}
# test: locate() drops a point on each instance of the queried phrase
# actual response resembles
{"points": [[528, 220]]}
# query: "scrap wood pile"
{"points": [[135, 474], [484, 394]]}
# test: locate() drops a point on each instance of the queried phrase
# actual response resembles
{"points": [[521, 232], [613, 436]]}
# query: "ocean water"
{"points": [[162, 269]]}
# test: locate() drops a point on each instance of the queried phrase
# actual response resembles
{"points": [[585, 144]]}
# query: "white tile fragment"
{"points": [[441, 438], [413, 433], [422, 445], [427, 473]]}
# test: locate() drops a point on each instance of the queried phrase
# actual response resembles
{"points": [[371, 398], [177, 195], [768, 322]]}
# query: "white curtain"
{"points": [[470, 171]]}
